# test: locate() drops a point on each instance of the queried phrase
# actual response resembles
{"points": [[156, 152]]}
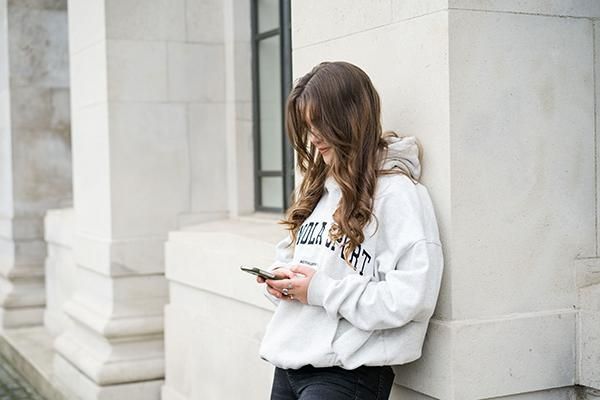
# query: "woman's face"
{"points": [[322, 146]]}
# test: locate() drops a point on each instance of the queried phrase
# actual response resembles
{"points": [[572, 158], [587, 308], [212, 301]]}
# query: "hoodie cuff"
{"points": [[318, 287]]}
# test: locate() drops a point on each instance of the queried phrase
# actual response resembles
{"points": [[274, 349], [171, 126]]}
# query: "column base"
{"points": [[21, 317], [86, 389]]}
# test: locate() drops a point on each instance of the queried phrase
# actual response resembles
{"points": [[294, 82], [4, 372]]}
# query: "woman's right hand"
{"points": [[279, 271]]}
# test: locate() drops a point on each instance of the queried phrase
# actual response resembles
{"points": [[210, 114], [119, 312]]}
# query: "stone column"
{"points": [[35, 148], [131, 181], [501, 94]]}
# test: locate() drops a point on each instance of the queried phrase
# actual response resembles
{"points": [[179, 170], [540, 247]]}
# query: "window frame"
{"points": [[285, 52]]}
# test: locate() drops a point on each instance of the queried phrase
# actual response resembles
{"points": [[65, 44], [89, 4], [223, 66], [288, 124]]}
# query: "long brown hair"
{"points": [[339, 101]]}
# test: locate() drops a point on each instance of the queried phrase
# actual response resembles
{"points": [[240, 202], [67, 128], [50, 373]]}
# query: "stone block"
{"points": [[350, 17], [243, 183], [86, 389], [237, 21], [137, 70], [60, 269], [513, 158], [4, 62], [566, 393], [42, 159], [563, 8], [205, 20], [139, 20], [589, 348], [17, 254], [193, 254], [87, 25], [402, 10], [241, 80], [498, 357], [91, 176], [149, 150], [88, 76], [402, 393], [196, 72], [38, 47], [131, 296], [209, 161], [40, 108], [6, 165], [39, 4], [60, 284], [208, 347], [119, 257], [60, 241], [587, 273]]}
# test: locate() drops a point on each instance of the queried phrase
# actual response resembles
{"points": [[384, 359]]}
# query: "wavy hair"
{"points": [[338, 100]]}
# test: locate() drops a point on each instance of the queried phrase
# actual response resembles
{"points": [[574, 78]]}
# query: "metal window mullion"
{"points": [[286, 85], [255, 106], [267, 34], [270, 174]]}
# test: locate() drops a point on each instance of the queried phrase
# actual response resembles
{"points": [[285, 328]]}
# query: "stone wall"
{"points": [[35, 148]]}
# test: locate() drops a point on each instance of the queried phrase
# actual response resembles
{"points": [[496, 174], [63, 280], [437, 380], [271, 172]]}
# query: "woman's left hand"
{"points": [[296, 288]]}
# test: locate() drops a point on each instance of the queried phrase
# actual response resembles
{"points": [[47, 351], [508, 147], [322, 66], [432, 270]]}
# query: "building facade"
{"points": [[143, 160]]}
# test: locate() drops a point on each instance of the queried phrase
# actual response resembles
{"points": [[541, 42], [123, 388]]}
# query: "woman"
{"points": [[362, 263]]}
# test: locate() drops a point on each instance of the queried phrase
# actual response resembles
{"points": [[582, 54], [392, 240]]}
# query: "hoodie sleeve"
{"points": [[408, 268], [284, 254]]}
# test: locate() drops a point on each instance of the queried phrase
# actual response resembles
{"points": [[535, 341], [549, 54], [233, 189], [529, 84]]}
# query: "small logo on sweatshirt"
{"points": [[311, 234]]}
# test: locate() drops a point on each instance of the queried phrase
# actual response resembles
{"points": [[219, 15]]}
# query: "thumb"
{"points": [[302, 269]]}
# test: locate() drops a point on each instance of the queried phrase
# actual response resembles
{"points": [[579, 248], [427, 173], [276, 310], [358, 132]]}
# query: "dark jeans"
{"points": [[332, 383]]}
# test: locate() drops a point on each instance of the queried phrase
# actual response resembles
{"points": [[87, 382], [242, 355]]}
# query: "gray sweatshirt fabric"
{"points": [[376, 311]]}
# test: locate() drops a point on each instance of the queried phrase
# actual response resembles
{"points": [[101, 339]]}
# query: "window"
{"points": [[272, 81]]}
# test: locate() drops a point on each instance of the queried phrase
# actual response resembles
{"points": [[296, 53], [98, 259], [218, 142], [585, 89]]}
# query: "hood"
{"points": [[403, 153]]}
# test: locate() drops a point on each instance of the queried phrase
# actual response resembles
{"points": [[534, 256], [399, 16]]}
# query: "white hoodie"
{"points": [[377, 311]]}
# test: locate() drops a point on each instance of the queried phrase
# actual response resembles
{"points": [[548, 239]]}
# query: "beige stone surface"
{"points": [[134, 20], [86, 24], [205, 20], [349, 16], [196, 72], [522, 128], [415, 99], [572, 8], [59, 267]]}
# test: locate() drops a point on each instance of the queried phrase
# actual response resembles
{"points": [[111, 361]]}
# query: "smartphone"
{"points": [[260, 272]]}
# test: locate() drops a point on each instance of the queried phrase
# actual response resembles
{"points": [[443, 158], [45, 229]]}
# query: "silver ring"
{"points": [[285, 291]]}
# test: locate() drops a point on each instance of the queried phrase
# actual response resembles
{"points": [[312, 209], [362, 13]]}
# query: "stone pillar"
{"points": [[501, 94], [35, 148], [60, 270], [131, 181]]}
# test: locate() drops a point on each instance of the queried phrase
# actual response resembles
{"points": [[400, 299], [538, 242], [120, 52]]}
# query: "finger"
{"points": [[279, 284], [285, 273], [274, 292], [260, 279]]}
